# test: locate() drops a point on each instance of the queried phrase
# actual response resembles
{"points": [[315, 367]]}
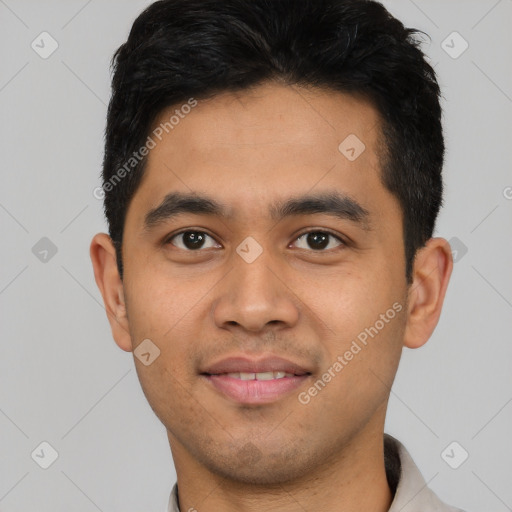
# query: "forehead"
{"points": [[271, 115], [258, 145]]}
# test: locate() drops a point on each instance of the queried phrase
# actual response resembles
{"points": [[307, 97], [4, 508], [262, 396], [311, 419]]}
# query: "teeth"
{"points": [[259, 376], [265, 376]]}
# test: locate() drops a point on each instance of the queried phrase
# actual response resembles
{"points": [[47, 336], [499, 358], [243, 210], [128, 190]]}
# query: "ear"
{"points": [[432, 270], [106, 274]]}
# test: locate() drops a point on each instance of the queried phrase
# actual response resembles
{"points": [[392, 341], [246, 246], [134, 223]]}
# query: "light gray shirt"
{"points": [[411, 493]]}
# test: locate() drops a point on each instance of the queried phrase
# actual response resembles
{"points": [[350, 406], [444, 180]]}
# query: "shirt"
{"points": [[408, 486]]}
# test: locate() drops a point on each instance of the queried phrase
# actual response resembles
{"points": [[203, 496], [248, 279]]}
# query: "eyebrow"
{"points": [[328, 203]]}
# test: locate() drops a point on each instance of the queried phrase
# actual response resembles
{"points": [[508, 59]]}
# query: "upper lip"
{"points": [[247, 365]]}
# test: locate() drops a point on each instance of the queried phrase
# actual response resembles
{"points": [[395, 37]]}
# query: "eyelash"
{"points": [[167, 241]]}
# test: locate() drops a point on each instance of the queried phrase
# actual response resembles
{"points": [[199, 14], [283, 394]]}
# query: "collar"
{"points": [[411, 493]]}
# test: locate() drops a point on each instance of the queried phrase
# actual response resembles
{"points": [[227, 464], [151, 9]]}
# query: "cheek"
{"points": [[365, 319], [161, 312], [163, 315], [350, 301], [167, 391], [360, 371], [158, 303]]}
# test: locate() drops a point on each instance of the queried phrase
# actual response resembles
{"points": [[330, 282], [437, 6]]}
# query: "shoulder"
{"points": [[412, 492]]}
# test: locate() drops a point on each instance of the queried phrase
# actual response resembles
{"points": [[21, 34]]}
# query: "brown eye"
{"points": [[319, 240], [192, 240]]}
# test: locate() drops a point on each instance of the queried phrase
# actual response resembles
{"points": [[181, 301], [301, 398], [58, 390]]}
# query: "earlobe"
{"points": [[432, 270], [109, 282]]}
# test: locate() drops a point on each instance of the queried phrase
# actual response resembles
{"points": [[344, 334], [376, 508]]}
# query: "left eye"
{"points": [[318, 240]]}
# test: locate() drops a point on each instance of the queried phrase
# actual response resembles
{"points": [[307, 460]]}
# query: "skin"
{"points": [[248, 150]]}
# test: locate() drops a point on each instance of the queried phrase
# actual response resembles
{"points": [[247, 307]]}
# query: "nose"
{"points": [[256, 297]]}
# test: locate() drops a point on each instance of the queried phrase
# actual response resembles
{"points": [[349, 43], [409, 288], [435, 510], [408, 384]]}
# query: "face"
{"points": [[276, 294]]}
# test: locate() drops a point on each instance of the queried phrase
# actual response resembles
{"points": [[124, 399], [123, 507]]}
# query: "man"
{"points": [[272, 178]]}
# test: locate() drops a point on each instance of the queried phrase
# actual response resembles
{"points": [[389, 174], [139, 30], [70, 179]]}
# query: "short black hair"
{"points": [[183, 49]]}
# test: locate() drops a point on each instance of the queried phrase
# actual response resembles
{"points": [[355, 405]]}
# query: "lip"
{"points": [[244, 364], [255, 391]]}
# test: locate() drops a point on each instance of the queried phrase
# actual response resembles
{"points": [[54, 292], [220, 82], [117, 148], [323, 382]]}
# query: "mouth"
{"points": [[247, 381], [258, 375]]}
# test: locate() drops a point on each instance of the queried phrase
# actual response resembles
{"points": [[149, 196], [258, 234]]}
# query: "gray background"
{"points": [[63, 379]]}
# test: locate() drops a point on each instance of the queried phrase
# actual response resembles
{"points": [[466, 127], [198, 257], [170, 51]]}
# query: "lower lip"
{"points": [[255, 391]]}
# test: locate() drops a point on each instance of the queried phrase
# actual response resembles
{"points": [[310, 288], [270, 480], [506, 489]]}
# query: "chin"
{"points": [[249, 465], [261, 475]]}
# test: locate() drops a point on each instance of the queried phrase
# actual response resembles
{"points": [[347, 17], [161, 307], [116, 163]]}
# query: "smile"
{"points": [[259, 375], [255, 388]]}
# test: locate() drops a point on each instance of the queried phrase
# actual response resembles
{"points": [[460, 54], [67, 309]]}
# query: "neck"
{"points": [[352, 480]]}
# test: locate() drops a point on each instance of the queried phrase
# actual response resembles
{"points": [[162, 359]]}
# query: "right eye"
{"points": [[190, 240]]}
